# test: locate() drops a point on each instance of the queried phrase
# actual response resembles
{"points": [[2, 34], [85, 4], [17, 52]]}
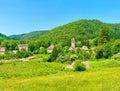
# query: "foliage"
{"points": [[73, 57], [116, 47], [104, 36], [79, 66], [10, 44], [116, 56], [42, 50], [53, 55], [23, 54], [104, 51], [81, 30], [84, 54]]}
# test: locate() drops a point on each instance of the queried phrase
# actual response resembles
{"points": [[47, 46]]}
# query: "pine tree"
{"points": [[104, 36]]}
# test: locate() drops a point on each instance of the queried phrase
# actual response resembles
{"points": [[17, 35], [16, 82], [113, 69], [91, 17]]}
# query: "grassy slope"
{"points": [[103, 76]]}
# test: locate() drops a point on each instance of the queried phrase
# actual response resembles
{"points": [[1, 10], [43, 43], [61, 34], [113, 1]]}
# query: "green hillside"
{"points": [[16, 37], [81, 29], [32, 35], [3, 37], [27, 36]]}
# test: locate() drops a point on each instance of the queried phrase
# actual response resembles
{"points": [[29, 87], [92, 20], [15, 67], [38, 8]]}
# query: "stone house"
{"points": [[23, 46], [50, 49]]}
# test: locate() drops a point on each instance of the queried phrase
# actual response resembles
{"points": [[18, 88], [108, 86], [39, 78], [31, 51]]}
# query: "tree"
{"points": [[104, 51], [9, 44], [54, 55], [104, 36], [116, 47]]}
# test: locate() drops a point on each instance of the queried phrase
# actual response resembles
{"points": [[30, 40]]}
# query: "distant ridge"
{"points": [[3, 37], [27, 36]]}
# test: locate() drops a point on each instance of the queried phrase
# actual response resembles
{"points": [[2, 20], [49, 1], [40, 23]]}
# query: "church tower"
{"points": [[73, 43]]}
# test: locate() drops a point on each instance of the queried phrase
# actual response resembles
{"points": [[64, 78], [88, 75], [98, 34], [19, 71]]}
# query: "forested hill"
{"points": [[81, 29], [3, 37], [27, 36]]}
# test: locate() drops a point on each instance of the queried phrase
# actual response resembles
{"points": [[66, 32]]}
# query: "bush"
{"points": [[73, 57], [116, 47], [103, 51], [79, 66], [2, 56], [116, 56], [23, 54], [63, 59]]}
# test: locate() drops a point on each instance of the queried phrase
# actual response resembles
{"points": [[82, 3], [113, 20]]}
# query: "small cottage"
{"points": [[23, 46], [50, 49], [2, 50]]}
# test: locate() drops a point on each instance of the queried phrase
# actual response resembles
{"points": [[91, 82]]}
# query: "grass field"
{"points": [[42, 76]]}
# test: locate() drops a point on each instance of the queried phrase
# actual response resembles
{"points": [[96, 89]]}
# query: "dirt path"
{"points": [[16, 60]]}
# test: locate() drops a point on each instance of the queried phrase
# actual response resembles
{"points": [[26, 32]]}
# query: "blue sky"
{"points": [[22, 16]]}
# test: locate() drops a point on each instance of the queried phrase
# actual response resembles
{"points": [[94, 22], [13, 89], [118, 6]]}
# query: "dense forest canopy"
{"points": [[80, 30]]}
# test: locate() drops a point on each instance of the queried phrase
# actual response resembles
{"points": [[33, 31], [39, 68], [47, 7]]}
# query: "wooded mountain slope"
{"points": [[81, 29]]}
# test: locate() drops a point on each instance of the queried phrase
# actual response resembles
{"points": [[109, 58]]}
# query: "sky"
{"points": [[23, 16]]}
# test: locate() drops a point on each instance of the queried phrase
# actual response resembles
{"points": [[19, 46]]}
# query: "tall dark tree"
{"points": [[54, 55], [104, 36]]}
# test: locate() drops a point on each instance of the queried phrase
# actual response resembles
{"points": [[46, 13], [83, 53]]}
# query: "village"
{"points": [[49, 49]]}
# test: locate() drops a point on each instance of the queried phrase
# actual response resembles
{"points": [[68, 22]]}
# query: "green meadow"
{"points": [[37, 75]]}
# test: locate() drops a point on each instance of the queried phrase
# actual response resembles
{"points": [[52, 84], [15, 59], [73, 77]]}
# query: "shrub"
{"points": [[42, 50], [79, 66], [116, 47], [103, 51], [23, 54], [63, 59], [2, 56], [116, 56], [73, 57]]}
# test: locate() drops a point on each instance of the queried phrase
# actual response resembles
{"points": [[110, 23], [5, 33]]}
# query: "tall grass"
{"points": [[105, 80], [35, 67], [104, 63], [37, 75]]}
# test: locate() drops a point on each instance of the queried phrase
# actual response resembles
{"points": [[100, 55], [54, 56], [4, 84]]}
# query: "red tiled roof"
{"points": [[2, 49]]}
